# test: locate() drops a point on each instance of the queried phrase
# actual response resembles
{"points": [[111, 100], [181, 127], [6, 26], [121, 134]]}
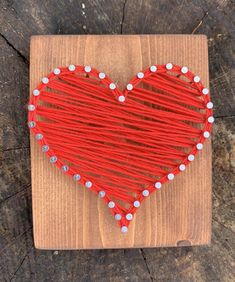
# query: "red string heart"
{"points": [[122, 145]]}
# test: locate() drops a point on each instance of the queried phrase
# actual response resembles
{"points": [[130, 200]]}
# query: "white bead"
{"points": [[56, 71], [145, 193], [88, 184], [199, 146], [211, 119], [191, 157], [45, 80], [45, 148], [196, 78], [121, 98], [184, 70], [124, 229], [101, 75], [31, 108], [158, 185], [206, 134], [117, 216], [87, 69], [31, 124], [136, 204], [38, 136], [182, 167], [129, 216], [65, 168], [111, 204], [153, 68], [140, 75], [209, 105], [36, 92], [169, 66], [112, 86], [76, 177], [129, 87], [101, 194], [205, 91], [53, 159], [170, 176], [71, 67]]}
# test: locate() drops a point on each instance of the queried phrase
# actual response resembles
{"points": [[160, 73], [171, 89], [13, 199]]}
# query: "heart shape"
{"points": [[122, 145]]}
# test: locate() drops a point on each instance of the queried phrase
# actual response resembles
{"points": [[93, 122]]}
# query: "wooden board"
{"points": [[66, 216]]}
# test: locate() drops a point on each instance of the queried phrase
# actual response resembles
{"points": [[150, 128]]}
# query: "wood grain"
{"points": [[66, 216]]}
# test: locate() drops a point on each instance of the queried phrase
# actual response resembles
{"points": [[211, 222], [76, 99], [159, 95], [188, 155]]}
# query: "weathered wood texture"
{"points": [[20, 19], [65, 215]]}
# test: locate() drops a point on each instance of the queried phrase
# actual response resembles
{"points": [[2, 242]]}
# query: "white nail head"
{"points": [[182, 167], [206, 134], [38, 136], [169, 66], [45, 148], [136, 204], [71, 67], [101, 75], [112, 86], [184, 70], [56, 71], [36, 92], [76, 177], [87, 69], [111, 204], [211, 119], [205, 91], [53, 159], [121, 98], [209, 105], [31, 108], [124, 229], [158, 185], [129, 87], [129, 216], [140, 75], [170, 176], [31, 124], [145, 193], [65, 168], [45, 80], [117, 216], [153, 68], [191, 157], [101, 194], [199, 146], [196, 78], [88, 184]]}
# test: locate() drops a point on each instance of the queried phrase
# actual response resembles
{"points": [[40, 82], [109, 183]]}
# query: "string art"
{"points": [[121, 145]]}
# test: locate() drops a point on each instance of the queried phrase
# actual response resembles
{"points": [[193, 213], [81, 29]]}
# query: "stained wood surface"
{"points": [[67, 216], [19, 260]]}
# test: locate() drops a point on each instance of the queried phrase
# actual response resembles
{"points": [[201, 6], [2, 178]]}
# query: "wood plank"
{"points": [[65, 215]]}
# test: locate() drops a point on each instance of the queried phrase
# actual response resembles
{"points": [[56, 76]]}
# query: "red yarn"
{"points": [[123, 148]]}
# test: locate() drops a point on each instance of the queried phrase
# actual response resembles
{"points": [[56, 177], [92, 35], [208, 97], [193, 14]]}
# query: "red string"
{"points": [[123, 148]]}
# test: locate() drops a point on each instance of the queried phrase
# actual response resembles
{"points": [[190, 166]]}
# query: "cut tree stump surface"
{"points": [[19, 260]]}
